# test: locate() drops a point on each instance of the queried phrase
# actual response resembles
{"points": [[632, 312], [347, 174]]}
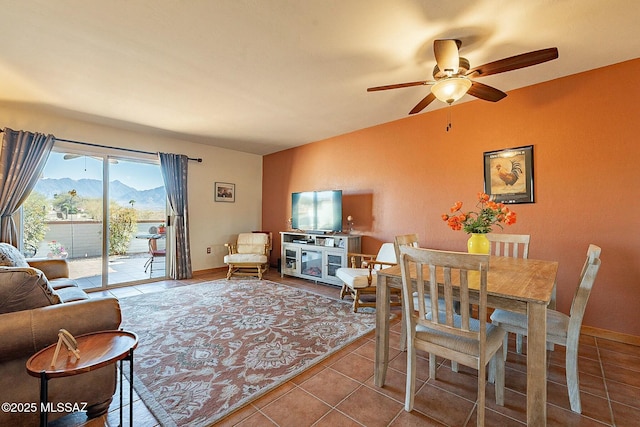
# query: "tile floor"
{"points": [[340, 390]]}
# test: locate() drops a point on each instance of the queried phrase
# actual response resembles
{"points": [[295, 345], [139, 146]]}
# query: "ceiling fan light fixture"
{"points": [[451, 89]]}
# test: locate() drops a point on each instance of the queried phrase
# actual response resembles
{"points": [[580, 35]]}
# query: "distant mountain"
{"points": [[92, 188]]}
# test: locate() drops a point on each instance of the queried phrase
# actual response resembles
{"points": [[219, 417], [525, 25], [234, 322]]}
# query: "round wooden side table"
{"points": [[97, 349]]}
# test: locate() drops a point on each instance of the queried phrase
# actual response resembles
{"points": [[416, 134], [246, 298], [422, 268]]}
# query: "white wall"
{"points": [[212, 224]]}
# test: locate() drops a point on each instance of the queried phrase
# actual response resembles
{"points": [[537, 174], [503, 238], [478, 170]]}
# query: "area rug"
{"points": [[207, 349]]}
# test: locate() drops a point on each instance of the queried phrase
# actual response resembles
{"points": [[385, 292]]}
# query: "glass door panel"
{"points": [[311, 263], [137, 211], [62, 218]]}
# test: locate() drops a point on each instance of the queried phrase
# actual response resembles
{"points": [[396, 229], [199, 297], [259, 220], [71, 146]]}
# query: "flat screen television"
{"points": [[317, 210]]}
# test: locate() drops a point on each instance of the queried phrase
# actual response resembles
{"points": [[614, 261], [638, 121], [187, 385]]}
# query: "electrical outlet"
{"points": [[209, 250]]}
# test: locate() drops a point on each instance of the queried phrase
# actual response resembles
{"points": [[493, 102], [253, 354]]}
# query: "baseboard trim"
{"points": [[209, 271], [610, 335]]}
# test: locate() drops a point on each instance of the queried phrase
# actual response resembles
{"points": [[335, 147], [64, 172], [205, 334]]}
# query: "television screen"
{"points": [[317, 210]]}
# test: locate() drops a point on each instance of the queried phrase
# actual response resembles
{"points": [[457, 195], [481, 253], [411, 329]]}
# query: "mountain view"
{"points": [[154, 198]]}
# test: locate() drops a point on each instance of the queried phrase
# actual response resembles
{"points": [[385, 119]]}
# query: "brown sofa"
{"points": [[35, 303]]}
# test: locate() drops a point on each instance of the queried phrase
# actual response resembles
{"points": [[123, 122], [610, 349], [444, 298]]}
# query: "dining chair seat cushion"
{"points": [[245, 258], [356, 278], [495, 335], [557, 323]]}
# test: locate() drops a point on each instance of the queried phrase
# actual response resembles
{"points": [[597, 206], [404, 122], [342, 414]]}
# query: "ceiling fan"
{"points": [[453, 77]]}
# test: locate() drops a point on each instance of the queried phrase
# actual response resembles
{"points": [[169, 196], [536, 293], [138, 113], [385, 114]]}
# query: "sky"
{"points": [[141, 176]]}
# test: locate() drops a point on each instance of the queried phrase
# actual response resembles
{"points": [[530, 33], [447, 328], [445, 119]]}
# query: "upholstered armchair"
{"points": [[360, 279], [249, 255], [37, 299]]}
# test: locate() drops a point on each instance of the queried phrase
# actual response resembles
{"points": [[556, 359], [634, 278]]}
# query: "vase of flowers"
{"points": [[480, 222], [56, 250]]}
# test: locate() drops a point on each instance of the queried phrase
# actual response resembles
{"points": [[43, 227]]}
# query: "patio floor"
{"points": [[122, 269]]}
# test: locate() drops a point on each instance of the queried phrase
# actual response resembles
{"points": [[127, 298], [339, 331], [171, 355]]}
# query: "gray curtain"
{"points": [[22, 159], [174, 174]]}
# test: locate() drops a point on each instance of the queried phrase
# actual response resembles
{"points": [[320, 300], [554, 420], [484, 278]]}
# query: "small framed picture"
{"points": [[225, 192], [508, 175], [329, 241]]}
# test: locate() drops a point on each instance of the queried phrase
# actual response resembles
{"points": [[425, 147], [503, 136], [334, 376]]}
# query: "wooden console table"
{"points": [[97, 349]]}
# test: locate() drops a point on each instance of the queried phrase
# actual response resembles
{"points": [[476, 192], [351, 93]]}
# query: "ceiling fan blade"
{"points": [[422, 104], [515, 62], [447, 56], [397, 86], [483, 91]]}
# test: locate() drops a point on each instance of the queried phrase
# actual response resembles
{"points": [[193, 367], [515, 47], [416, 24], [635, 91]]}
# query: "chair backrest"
{"points": [[449, 277], [405, 240], [510, 245], [252, 243], [387, 253], [580, 298]]}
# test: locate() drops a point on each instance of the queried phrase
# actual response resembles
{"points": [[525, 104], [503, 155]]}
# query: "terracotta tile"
{"points": [[355, 366], [394, 384], [257, 419], [621, 375], [274, 394], [414, 419], [623, 393], [443, 406], [330, 386], [625, 415], [238, 416], [336, 418], [618, 346], [369, 407], [624, 360], [296, 408], [559, 417]]}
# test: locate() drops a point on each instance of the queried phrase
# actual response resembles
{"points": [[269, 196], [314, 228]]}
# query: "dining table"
{"points": [[521, 285]]}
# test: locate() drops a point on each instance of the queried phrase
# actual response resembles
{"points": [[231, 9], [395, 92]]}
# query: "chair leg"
{"points": [[573, 381], [411, 380], [432, 366], [343, 291], [482, 371], [230, 272], [505, 346], [519, 343], [498, 372], [356, 300]]}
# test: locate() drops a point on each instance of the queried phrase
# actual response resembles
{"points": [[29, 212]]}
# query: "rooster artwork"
{"points": [[509, 177]]}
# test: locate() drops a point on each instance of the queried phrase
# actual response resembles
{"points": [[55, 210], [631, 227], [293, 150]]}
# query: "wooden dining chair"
{"points": [[460, 338], [514, 246], [405, 240], [562, 329]]}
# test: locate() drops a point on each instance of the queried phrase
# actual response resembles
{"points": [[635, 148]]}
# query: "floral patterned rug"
{"points": [[207, 349]]}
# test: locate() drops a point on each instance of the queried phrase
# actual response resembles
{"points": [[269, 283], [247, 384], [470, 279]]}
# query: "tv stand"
{"points": [[319, 257]]}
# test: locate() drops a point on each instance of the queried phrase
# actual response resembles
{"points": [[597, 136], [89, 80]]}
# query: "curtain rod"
{"points": [[130, 150]]}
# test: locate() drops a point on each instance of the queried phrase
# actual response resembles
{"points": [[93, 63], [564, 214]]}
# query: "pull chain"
{"points": [[448, 117]]}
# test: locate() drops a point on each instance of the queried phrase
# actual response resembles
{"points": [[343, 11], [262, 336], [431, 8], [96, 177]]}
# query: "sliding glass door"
{"points": [[101, 212]]}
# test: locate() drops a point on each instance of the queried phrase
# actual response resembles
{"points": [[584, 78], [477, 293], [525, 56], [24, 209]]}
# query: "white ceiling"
{"points": [[264, 75]]}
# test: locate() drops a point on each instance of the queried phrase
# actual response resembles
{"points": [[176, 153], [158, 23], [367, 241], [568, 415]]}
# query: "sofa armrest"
{"points": [[53, 268], [26, 332]]}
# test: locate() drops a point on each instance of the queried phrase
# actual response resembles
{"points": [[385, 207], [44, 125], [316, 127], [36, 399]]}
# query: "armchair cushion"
{"points": [[10, 256], [356, 278], [252, 243], [245, 258], [24, 289]]}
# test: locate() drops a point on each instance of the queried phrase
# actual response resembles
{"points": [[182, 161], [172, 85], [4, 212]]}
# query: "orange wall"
{"points": [[399, 177]]}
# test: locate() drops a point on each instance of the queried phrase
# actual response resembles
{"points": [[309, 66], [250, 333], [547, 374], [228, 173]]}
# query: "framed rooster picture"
{"points": [[508, 175]]}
